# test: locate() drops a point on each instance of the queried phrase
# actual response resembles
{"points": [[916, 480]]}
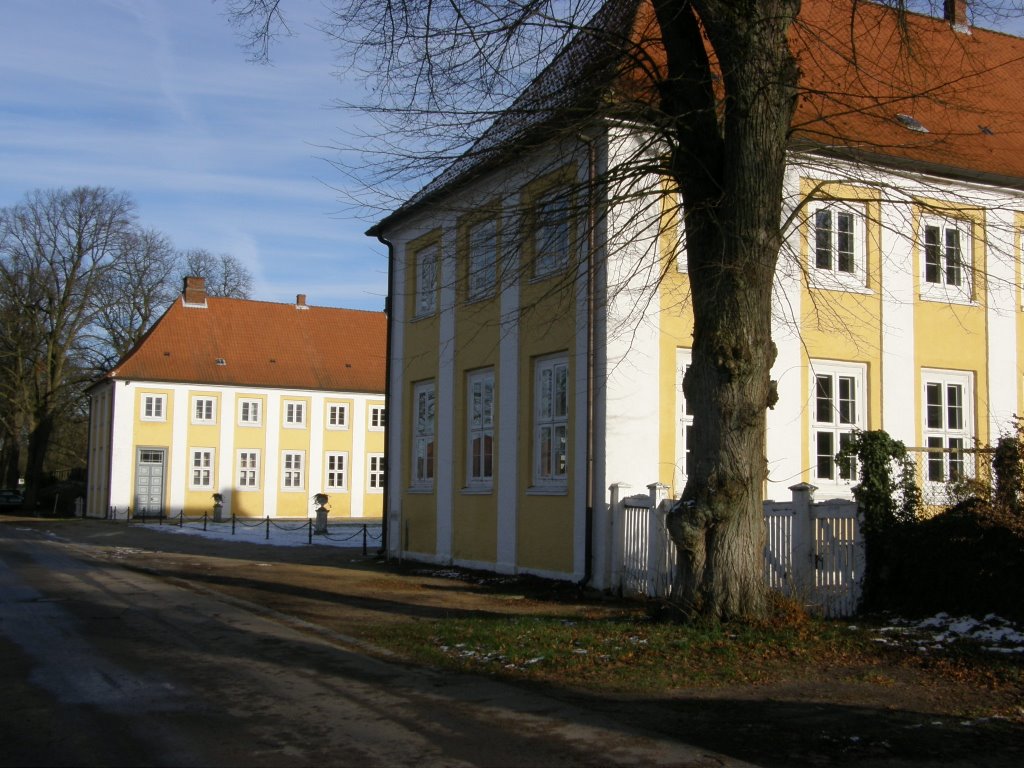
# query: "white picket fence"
{"points": [[813, 550]]}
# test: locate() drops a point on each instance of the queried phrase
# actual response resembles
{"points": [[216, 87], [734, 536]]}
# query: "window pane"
{"points": [[956, 458], [933, 397], [823, 238], [561, 391], [561, 452], [952, 256], [932, 265], [823, 408], [847, 468], [954, 407], [826, 455], [844, 246], [847, 402], [688, 438], [544, 447], [545, 393], [488, 456], [936, 460]]}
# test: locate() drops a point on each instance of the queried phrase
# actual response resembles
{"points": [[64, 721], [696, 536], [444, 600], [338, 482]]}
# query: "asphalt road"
{"points": [[104, 665]]}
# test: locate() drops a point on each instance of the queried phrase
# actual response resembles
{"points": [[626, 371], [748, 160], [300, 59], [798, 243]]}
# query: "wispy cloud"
{"points": [[158, 100]]}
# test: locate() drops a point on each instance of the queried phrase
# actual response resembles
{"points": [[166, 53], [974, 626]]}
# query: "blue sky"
{"points": [[156, 98]]}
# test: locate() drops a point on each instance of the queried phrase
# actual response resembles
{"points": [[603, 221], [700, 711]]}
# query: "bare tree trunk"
{"points": [[38, 444], [730, 165]]}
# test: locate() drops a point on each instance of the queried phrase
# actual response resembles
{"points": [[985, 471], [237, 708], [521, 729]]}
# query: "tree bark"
{"points": [[729, 163]]}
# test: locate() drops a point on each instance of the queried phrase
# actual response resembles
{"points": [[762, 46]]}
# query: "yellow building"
{"points": [[265, 404], [541, 318]]}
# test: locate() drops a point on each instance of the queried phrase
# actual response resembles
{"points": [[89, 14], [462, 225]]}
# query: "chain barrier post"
{"points": [[204, 521], [232, 523], [309, 531], [181, 518], [267, 537], [364, 539]]}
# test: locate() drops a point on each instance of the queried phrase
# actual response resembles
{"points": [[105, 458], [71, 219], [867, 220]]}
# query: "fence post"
{"points": [[803, 540], [617, 535], [655, 538]]}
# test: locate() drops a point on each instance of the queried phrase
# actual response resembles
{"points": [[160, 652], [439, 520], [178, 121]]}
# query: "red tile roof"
{"points": [[262, 344], [862, 65]]}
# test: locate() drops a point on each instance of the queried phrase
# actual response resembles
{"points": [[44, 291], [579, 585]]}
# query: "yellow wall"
{"points": [[245, 502], [419, 510], [153, 434], [954, 336], [474, 515], [545, 533], [676, 333], [842, 325]]}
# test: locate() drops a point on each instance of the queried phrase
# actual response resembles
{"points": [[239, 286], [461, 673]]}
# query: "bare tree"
{"points": [[712, 87], [226, 276], [139, 285], [56, 249]]}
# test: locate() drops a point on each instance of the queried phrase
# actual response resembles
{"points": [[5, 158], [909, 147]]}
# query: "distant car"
{"points": [[11, 501]]}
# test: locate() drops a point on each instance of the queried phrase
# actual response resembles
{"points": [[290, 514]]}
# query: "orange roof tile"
{"points": [[262, 344], [861, 66]]}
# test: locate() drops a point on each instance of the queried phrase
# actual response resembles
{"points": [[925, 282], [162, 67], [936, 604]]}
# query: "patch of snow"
{"points": [[340, 535], [935, 633]]}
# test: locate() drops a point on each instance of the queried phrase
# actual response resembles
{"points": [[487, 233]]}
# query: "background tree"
{"points": [[225, 275], [139, 285], [55, 251], [714, 85], [80, 284]]}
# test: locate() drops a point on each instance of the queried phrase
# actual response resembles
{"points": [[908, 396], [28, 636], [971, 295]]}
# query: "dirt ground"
{"points": [[820, 716]]}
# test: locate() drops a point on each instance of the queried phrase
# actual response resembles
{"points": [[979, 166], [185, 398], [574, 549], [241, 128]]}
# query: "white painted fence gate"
{"points": [[814, 551]]}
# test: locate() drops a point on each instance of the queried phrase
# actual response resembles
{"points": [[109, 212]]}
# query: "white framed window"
{"points": [[375, 473], [423, 435], [204, 410], [248, 469], [946, 259], [293, 470], [250, 412], [294, 414], [551, 233], [154, 407], [838, 244], [427, 262], [838, 407], [336, 471], [337, 415], [948, 422], [551, 421], [378, 418], [684, 434], [483, 257], [480, 428], [201, 469]]}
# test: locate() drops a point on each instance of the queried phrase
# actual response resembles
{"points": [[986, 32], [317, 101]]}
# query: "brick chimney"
{"points": [[300, 301], [955, 12], [194, 294]]}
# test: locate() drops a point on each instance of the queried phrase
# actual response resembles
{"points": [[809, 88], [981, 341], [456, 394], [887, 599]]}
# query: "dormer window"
{"points": [[912, 123]]}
